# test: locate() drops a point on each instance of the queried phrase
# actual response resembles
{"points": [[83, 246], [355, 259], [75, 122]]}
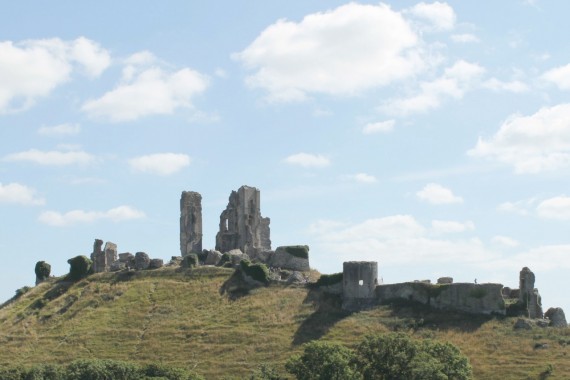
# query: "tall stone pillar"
{"points": [[190, 223]]}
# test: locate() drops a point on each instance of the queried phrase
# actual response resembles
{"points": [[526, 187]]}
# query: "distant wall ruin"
{"points": [[360, 289]]}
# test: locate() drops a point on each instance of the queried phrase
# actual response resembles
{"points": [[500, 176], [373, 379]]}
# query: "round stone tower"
{"points": [[359, 281]]}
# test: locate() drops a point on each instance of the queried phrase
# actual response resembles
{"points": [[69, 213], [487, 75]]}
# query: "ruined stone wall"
{"points": [[465, 297], [359, 282], [190, 223], [241, 224]]}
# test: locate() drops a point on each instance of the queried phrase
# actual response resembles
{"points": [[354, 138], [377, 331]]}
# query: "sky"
{"points": [[431, 137]]}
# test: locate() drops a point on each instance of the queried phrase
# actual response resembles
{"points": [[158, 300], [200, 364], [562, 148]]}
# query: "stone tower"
{"points": [[529, 295], [190, 223], [359, 281], [241, 224]]}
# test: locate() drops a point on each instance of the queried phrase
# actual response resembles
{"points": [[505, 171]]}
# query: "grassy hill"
{"points": [[178, 316]]}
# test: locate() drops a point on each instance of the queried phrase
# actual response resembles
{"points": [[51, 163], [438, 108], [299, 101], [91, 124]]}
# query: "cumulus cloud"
{"points": [[531, 144], [151, 91], [505, 241], [32, 69], [117, 214], [160, 163], [464, 38], [66, 129], [343, 51], [437, 194], [450, 226], [361, 178], [434, 16], [559, 76], [456, 80], [55, 158], [308, 160], [514, 86], [554, 208], [20, 194], [379, 127], [395, 239]]}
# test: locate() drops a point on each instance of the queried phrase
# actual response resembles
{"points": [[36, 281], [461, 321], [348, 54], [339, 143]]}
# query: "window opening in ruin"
{"points": [[361, 282], [226, 224]]}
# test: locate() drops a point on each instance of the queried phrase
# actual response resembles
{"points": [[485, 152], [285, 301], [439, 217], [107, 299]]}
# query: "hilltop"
{"points": [[178, 316]]}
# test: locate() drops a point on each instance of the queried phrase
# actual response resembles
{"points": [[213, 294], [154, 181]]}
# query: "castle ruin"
{"points": [[241, 224], [190, 223]]}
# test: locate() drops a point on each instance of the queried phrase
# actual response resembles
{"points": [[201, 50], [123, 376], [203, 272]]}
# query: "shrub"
{"points": [[20, 292], [42, 270], [11, 373], [329, 279], [79, 267], [95, 369], [323, 361], [300, 251], [45, 372], [226, 258], [266, 372], [159, 371], [259, 272], [190, 260]]}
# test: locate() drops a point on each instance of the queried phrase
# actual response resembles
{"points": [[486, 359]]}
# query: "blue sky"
{"points": [[433, 138]]}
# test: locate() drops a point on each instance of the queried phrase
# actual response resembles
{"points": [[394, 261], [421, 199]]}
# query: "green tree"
{"points": [[397, 356], [323, 361]]}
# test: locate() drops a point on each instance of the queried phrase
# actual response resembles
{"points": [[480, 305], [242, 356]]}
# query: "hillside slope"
{"points": [[179, 317]]}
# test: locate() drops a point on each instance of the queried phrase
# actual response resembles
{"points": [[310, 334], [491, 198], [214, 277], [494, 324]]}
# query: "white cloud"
{"points": [[343, 51], [559, 76], [505, 241], [118, 214], [450, 226], [160, 163], [531, 144], [362, 178], [435, 16], [60, 130], [150, 92], [437, 194], [308, 160], [396, 239], [32, 69], [554, 208], [93, 57], [464, 38], [514, 86], [378, 127], [56, 158], [519, 207], [454, 83], [17, 193]]}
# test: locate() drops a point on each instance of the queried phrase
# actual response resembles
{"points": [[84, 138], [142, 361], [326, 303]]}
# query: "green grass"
{"points": [[178, 317]]}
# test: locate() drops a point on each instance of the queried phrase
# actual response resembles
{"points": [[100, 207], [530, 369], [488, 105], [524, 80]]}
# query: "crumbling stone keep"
{"points": [[241, 224], [190, 223]]}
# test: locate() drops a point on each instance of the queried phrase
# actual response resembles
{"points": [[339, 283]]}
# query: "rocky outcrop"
{"points": [[241, 224], [142, 261], [155, 263], [213, 258], [190, 223], [556, 317], [293, 257]]}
